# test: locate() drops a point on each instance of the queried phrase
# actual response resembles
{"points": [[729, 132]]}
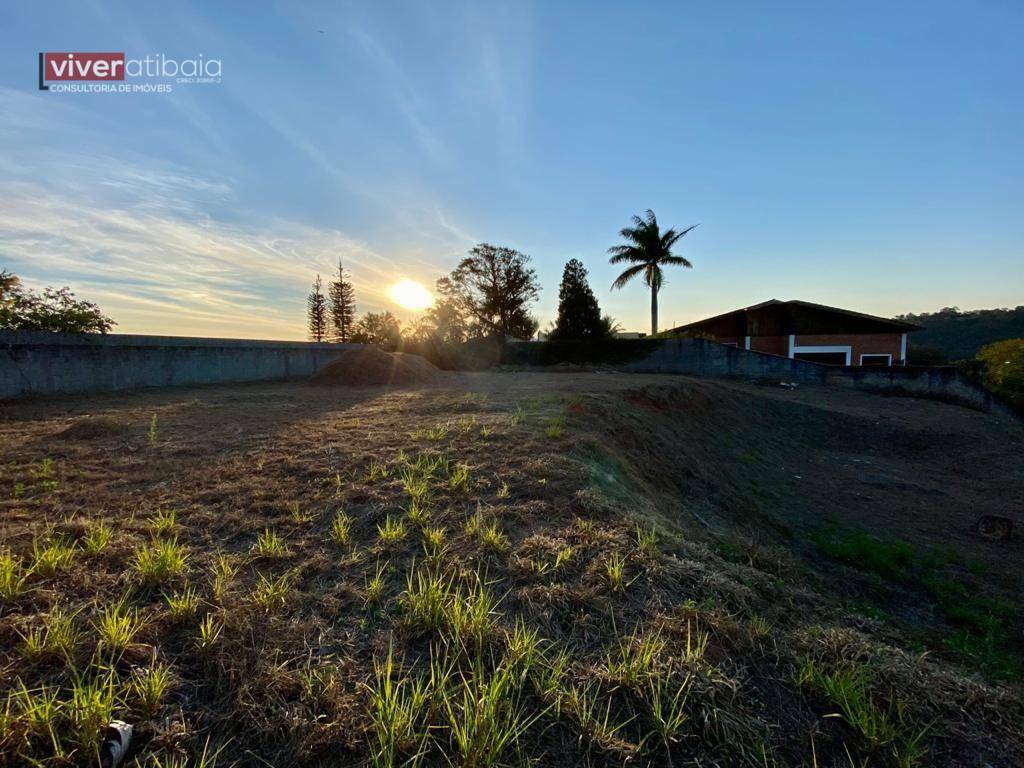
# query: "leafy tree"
{"points": [[648, 250], [492, 289], [381, 328], [579, 317], [1002, 369], [343, 307], [55, 309], [316, 312]]}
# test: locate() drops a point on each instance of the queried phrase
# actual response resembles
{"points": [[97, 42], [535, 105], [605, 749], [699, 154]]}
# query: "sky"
{"points": [[866, 155]]}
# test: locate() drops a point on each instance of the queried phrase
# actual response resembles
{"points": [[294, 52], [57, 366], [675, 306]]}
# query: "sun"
{"points": [[411, 295]]}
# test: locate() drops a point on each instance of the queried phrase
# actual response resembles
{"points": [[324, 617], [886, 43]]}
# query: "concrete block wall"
{"points": [[36, 363], [699, 357], [934, 382]]}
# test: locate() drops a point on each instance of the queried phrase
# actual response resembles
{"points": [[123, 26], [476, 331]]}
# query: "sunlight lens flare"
{"points": [[411, 295]]}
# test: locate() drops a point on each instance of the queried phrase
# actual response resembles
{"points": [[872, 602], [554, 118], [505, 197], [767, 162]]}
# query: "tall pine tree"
{"points": [[343, 307], [579, 317], [316, 312]]}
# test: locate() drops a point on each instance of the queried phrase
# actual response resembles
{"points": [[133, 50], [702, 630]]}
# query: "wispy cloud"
{"points": [[141, 244]]}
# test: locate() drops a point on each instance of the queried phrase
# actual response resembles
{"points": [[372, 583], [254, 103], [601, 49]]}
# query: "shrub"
{"points": [[1003, 369], [55, 309]]}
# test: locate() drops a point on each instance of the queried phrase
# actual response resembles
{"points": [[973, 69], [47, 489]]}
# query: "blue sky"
{"points": [[867, 155]]}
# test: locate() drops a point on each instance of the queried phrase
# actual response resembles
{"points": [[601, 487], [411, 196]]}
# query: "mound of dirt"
{"points": [[93, 429], [368, 366]]}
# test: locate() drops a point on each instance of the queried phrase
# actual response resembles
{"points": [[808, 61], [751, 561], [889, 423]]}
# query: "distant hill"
{"points": [[960, 334]]}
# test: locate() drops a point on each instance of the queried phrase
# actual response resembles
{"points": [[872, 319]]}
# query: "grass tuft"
{"points": [[271, 593], [160, 561], [633, 662], [13, 577], [374, 589], [667, 703], [149, 689], [116, 625], [57, 635], [486, 715], [880, 727], [162, 523], [54, 556], [96, 538], [458, 480], [425, 601], [471, 613], [208, 636], [341, 528], [270, 546], [183, 605], [391, 531], [555, 428], [377, 470], [397, 704], [434, 541], [224, 570], [614, 571]]}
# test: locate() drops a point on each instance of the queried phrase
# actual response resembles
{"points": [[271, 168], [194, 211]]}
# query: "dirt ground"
{"points": [[757, 493]]}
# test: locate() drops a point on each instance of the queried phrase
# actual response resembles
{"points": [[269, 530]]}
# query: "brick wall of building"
{"points": [[773, 345], [862, 344]]}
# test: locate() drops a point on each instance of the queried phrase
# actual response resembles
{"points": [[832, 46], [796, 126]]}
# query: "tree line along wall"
{"points": [[35, 363]]}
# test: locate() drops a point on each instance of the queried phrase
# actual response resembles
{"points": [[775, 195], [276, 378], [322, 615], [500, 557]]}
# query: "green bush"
{"points": [[1001, 367]]}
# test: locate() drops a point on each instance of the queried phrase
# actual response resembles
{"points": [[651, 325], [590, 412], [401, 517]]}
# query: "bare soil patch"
{"points": [[369, 366]]}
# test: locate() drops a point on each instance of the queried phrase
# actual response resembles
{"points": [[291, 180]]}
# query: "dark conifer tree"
{"points": [[316, 312], [579, 316], [343, 307]]}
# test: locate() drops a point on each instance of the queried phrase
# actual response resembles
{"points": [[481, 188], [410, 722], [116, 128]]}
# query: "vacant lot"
{"points": [[569, 569]]}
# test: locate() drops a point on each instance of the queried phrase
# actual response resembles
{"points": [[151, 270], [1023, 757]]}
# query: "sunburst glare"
{"points": [[411, 295]]}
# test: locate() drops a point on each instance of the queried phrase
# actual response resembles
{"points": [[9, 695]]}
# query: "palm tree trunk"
{"points": [[654, 310]]}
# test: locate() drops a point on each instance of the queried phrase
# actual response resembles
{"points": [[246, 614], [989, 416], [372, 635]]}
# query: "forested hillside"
{"points": [[960, 334]]}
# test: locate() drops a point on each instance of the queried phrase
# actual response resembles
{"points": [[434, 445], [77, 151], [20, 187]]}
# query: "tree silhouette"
{"points": [[493, 288], [579, 316], [648, 250], [381, 328], [316, 312], [55, 309], [343, 307]]}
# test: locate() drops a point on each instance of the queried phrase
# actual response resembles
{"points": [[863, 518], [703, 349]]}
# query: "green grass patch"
{"points": [[891, 560]]}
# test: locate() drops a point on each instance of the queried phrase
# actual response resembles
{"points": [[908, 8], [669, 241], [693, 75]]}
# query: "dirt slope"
{"points": [[811, 588]]}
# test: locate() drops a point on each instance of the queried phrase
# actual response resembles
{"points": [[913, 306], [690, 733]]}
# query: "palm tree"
{"points": [[648, 250]]}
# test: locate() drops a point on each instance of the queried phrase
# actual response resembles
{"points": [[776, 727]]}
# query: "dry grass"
{"points": [[568, 573]]}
